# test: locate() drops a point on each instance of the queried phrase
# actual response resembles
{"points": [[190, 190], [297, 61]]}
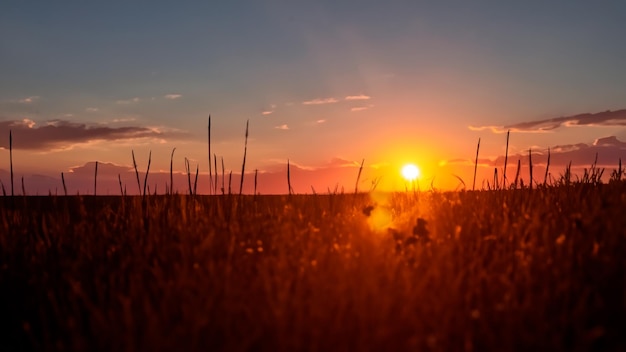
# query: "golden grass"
{"points": [[502, 270]]}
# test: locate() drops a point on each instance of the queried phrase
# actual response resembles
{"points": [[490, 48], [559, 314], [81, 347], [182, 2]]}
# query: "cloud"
{"points": [[92, 109], [320, 121], [172, 96], [124, 119], [62, 134], [108, 169], [28, 100], [608, 150], [361, 108], [340, 162], [320, 101], [269, 111], [282, 127], [127, 101], [358, 97], [606, 118]]}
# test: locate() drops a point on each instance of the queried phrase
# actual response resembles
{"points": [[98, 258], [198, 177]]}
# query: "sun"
{"points": [[410, 172]]}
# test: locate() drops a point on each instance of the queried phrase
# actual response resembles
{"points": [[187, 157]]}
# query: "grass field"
{"points": [[491, 270]]}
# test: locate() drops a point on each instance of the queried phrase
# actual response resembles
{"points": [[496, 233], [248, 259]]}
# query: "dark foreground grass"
{"points": [[500, 270]]}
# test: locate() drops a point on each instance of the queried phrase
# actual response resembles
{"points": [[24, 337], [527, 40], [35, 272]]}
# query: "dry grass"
{"points": [[499, 270]]}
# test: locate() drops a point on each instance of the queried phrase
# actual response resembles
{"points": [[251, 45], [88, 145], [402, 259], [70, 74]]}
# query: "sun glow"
{"points": [[410, 172]]}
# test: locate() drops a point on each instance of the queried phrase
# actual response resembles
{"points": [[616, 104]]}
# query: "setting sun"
{"points": [[410, 172]]}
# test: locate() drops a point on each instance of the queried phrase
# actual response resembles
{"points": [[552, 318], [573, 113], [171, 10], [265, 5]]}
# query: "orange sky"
{"points": [[318, 82]]}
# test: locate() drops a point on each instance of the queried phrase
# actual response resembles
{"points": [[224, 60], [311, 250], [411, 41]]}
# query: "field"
{"points": [[524, 269]]}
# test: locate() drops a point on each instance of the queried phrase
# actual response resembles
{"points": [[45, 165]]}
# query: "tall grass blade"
{"points": [[188, 168], [11, 160], [215, 164], [506, 159], [119, 179], [95, 180], [495, 178], [63, 182], [230, 182], [288, 177], [172, 171], [243, 165], [545, 176], [358, 177], [136, 172], [145, 181], [195, 182], [530, 167], [476, 165], [210, 167], [223, 177]]}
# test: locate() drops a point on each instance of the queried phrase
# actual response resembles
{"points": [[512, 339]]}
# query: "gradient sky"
{"points": [[324, 84]]}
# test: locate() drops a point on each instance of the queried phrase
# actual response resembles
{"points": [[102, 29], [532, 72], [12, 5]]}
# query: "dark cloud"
{"points": [[608, 150], [63, 134], [606, 118]]}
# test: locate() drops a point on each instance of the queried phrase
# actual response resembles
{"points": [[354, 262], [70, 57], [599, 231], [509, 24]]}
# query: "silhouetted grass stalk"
{"points": [[506, 159], [210, 168], [136, 171], [243, 165], [358, 177], [530, 167], [63, 182], [119, 179], [215, 164], [288, 177], [11, 160], [545, 176], [145, 182], [476, 165], [95, 180], [188, 168], [172, 171]]}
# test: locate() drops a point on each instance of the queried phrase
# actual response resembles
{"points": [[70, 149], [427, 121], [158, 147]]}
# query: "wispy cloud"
{"points": [[121, 120], [282, 127], [320, 101], [28, 100], [92, 109], [361, 108], [127, 101], [606, 118], [269, 111], [172, 96], [358, 97], [320, 121], [62, 134]]}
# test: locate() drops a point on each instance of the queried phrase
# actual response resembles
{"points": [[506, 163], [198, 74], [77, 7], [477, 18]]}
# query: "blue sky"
{"points": [[390, 82]]}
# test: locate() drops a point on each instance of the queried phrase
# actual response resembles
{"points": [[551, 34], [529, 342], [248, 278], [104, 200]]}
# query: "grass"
{"points": [[513, 267], [497, 270]]}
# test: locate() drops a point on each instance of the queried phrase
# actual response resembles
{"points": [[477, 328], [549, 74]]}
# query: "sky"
{"points": [[325, 85]]}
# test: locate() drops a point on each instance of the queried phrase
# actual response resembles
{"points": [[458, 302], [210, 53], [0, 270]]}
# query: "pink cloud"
{"points": [[320, 101], [358, 97]]}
